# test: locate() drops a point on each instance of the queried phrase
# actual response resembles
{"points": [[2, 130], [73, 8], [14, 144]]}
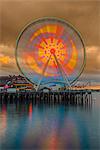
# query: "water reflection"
{"points": [[48, 127]]}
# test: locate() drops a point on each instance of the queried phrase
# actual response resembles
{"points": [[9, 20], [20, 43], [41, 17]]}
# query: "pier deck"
{"points": [[71, 97]]}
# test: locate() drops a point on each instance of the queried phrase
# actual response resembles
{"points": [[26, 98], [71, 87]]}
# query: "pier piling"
{"points": [[67, 97]]}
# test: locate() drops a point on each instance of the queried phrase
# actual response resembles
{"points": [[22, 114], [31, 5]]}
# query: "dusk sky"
{"points": [[83, 14]]}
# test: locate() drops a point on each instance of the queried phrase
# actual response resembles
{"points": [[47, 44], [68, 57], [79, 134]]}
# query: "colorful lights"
{"points": [[49, 49]]}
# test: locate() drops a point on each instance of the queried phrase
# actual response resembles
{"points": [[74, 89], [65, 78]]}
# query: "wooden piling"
{"points": [[69, 97]]}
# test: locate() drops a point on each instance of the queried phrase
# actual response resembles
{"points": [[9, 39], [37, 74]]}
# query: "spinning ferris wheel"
{"points": [[50, 50]]}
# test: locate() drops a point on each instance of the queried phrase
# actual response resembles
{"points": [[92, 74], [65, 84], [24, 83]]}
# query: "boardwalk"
{"points": [[70, 97]]}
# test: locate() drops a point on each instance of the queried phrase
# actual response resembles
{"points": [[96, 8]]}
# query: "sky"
{"points": [[83, 14]]}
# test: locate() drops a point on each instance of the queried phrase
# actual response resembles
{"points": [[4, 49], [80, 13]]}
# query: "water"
{"points": [[50, 127]]}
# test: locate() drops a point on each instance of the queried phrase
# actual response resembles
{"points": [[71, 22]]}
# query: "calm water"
{"points": [[50, 127]]}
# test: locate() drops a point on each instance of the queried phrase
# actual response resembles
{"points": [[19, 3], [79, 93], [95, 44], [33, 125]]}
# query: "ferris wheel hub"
{"points": [[52, 50]]}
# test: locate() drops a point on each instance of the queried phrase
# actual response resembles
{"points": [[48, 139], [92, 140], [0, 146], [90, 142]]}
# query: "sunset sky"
{"points": [[83, 14]]}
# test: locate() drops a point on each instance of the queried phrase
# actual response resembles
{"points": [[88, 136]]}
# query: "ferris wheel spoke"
{"points": [[62, 71], [43, 72], [66, 76]]}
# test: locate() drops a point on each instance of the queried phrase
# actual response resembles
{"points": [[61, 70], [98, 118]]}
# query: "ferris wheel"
{"points": [[50, 50]]}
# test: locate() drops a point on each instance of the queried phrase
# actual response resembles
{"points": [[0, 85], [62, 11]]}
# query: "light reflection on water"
{"points": [[49, 127]]}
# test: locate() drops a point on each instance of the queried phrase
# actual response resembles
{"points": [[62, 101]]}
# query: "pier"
{"points": [[69, 97]]}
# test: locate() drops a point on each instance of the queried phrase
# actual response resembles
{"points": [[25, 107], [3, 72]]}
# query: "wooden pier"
{"points": [[69, 97]]}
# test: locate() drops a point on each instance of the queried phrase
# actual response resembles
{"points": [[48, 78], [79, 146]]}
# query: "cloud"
{"points": [[7, 60], [4, 60], [16, 14], [84, 15], [92, 60]]}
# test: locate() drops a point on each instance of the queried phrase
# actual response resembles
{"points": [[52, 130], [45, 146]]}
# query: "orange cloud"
{"points": [[8, 63], [7, 60], [4, 59], [6, 54]]}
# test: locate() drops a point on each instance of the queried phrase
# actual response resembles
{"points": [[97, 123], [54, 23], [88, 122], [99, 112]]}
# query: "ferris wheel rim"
{"points": [[54, 19]]}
